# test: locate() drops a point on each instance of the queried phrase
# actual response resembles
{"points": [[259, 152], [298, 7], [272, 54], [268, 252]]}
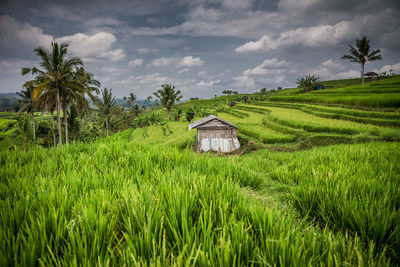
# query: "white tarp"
{"points": [[219, 144]]}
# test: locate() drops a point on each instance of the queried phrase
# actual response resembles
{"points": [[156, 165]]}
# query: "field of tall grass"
{"points": [[116, 202], [143, 197]]}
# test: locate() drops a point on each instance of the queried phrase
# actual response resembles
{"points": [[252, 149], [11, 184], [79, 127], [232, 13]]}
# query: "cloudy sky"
{"points": [[200, 46]]}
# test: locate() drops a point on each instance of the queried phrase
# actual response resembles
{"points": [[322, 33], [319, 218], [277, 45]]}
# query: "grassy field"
{"points": [[7, 127], [375, 94], [134, 204], [320, 186]]}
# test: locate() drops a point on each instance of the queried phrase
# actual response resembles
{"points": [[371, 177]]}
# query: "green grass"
{"points": [[375, 94], [265, 134], [174, 134], [299, 119], [131, 204], [353, 188], [367, 117]]}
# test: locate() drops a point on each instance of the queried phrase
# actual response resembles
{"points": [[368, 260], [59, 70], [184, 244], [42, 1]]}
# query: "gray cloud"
{"points": [[201, 46]]}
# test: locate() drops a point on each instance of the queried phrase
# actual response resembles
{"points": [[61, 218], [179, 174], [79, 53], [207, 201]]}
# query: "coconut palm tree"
{"points": [[56, 74], [130, 99], [87, 86], [307, 82], [362, 54], [167, 96], [106, 105], [28, 103]]}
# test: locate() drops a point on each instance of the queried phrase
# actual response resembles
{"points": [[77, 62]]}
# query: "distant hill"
{"points": [[140, 102]]}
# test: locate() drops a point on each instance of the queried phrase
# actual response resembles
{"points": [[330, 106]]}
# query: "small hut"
{"points": [[216, 134], [371, 74]]}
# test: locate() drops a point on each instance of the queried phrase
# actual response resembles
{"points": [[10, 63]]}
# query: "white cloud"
{"points": [[147, 50], [110, 70], [395, 68], [191, 61], [315, 36], [202, 73], [243, 81], [271, 66], [90, 47], [333, 70], [154, 78], [183, 70], [208, 84], [135, 62], [332, 64], [14, 33], [187, 61]]}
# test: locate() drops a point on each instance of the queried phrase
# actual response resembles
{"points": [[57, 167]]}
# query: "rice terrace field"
{"points": [[318, 185]]}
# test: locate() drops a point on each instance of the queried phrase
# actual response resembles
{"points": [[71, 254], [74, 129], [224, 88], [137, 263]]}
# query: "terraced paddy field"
{"points": [[320, 186], [375, 94], [7, 127]]}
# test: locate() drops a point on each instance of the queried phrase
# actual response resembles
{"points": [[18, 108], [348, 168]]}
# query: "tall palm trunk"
{"points": [[107, 126], [52, 130], [64, 106], [58, 119], [362, 74], [33, 125]]}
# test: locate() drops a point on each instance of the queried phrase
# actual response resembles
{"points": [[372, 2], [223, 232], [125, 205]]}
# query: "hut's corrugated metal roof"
{"points": [[207, 119]]}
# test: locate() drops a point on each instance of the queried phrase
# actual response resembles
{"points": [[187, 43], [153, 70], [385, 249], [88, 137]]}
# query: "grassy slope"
{"points": [[7, 122], [375, 94]]}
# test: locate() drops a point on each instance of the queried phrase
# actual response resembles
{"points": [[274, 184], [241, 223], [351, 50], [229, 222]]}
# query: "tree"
{"points": [[307, 82], [47, 101], [28, 104], [362, 54], [167, 96], [106, 105], [57, 75], [85, 85], [130, 99], [263, 91]]}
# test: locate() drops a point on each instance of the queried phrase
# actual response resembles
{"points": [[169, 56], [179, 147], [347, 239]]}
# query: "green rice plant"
{"points": [[312, 123], [121, 203], [235, 112], [389, 100], [335, 110], [252, 117], [350, 188], [265, 134], [365, 120]]}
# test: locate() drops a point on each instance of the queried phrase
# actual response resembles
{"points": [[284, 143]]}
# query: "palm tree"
{"points": [[130, 99], [28, 103], [57, 74], [168, 96], [84, 84], [106, 105], [362, 54], [307, 82]]}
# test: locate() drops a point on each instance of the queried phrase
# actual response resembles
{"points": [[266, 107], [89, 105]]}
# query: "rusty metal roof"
{"points": [[207, 119]]}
